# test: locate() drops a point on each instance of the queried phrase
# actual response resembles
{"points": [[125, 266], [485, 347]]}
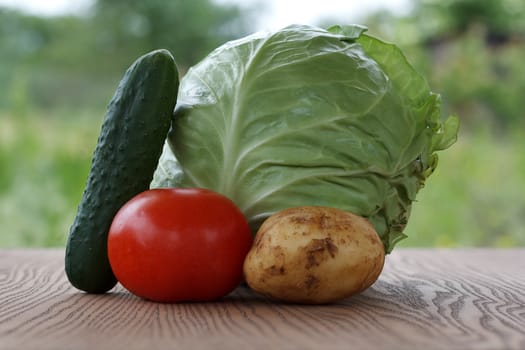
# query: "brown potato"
{"points": [[314, 255]]}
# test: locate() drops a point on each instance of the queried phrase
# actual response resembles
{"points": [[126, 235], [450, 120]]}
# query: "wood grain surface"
{"points": [[425, 299]]}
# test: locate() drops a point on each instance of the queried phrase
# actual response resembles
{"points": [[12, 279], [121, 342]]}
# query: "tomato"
{"points": [[179, 244]]}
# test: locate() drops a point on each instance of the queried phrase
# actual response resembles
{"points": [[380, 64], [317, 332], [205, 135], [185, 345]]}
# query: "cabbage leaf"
{"points": [[307, 116]]}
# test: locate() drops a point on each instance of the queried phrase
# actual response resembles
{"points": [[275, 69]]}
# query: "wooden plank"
{"points": [[424, 299]]}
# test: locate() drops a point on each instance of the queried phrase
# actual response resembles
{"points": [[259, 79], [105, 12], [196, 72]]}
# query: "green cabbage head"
{"points": [[306, 116]]}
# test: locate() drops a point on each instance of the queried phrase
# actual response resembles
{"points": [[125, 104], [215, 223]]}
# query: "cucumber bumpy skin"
{"points": [[128, 149]]}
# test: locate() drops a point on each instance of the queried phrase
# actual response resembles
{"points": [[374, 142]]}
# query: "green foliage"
{"points": [[492, 81], [441, 19], [476, 197], [44, 162], [78, 60], [188, 28], [57, 74], [471, 52]]}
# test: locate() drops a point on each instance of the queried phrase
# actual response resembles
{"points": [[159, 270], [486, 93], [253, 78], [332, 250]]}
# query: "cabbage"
{"points": [[306, 116]]}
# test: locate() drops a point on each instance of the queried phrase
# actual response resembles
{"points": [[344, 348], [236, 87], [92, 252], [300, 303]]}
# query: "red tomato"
{"points": [[176, 244]]}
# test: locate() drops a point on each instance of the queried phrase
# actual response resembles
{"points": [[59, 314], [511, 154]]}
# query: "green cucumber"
{"points": [[133, 132]]}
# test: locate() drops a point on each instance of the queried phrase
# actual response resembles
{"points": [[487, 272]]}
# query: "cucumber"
{"points": [[133, 132]]}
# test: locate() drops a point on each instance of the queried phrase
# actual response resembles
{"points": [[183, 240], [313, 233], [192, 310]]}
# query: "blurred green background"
{"points": [[57, 73]]}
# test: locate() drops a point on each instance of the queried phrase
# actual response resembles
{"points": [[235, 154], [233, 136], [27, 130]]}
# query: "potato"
{"points": [[314, 255]]}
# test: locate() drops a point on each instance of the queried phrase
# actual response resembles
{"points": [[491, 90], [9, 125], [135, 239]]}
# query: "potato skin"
{"points": [[314, 255]]}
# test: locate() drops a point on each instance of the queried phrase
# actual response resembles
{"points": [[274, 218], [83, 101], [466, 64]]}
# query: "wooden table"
{"points": [[425, 299]]}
